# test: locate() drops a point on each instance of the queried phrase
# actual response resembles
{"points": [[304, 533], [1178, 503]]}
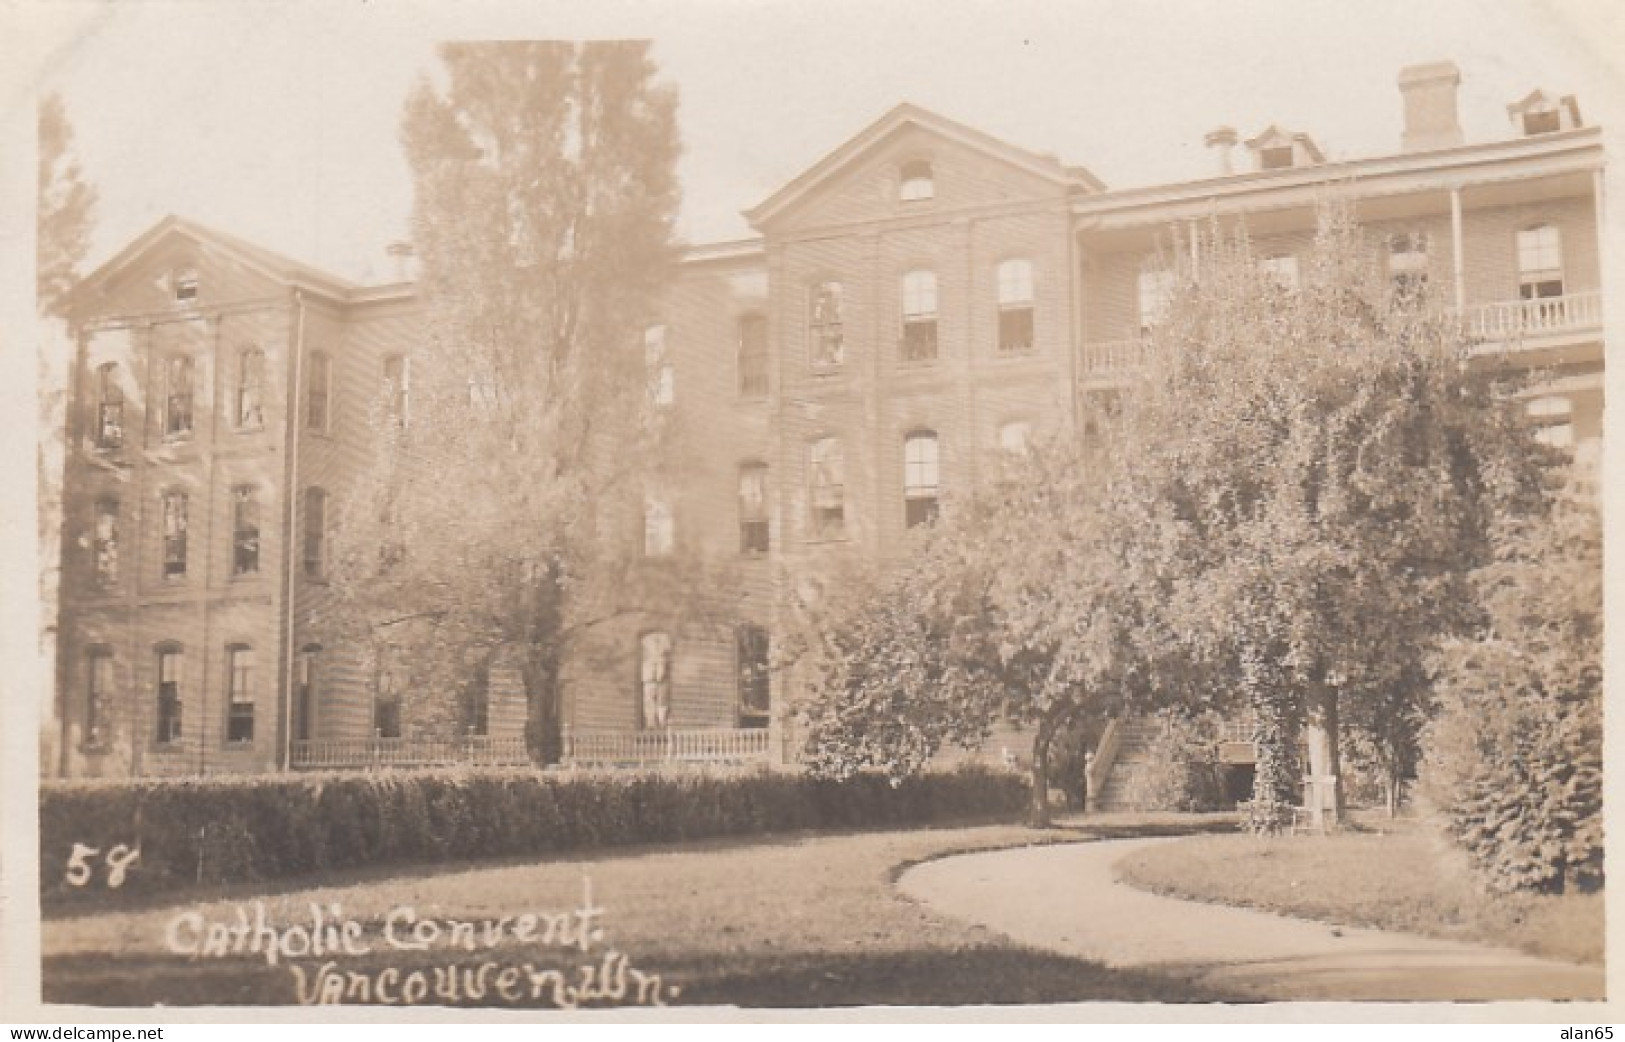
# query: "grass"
{"points": [[795, 921], [1395, 875]]}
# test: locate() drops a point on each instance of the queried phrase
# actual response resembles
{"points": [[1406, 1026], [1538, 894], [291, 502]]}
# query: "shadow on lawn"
{"points": [[991, 974]]}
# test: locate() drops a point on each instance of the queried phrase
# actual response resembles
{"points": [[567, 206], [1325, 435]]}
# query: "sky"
{"points": [[279, 122]]}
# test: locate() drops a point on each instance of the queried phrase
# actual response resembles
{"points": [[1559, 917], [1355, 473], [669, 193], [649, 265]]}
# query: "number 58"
{"points": [[118, 862]]}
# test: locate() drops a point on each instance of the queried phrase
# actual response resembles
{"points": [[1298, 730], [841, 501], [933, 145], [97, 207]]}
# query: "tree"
{"points": [[498, 518], [1514, 758], [1342, 464]]}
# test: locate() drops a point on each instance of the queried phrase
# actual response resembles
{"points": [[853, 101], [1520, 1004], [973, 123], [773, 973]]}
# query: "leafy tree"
{"points": [[501, 517], [1340, 465], [1514, 759]]}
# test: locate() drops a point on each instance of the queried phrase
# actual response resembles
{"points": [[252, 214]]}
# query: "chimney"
{"points": [[1222, 140], [1430, 106], [405, 261]]}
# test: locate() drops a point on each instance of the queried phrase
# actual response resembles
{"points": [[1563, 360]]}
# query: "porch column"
{"points": [[1456, 250]]}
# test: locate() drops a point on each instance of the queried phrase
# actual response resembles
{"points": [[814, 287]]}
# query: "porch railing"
{"points": [[325, 753], [717, 745]]}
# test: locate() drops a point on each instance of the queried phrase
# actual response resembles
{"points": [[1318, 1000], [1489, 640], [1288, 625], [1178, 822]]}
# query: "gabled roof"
{"points": [[267, 262], [907, 114], [1273, 136], [1539, 100]]}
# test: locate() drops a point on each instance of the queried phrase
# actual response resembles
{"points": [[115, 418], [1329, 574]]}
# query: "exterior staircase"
{"points": [[1134, 740]]}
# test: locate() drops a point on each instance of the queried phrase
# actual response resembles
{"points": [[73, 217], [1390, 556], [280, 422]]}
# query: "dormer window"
{"points": [[1543, 113], [1279, 158], [1541, 122], [916, 183], [185, 282]]}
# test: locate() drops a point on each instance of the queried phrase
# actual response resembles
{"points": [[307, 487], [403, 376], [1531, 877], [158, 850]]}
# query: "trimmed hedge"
{"points": [[233, 830]]}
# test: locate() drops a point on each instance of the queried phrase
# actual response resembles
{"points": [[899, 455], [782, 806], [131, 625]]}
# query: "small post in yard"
{"points": [[1322, 793]]}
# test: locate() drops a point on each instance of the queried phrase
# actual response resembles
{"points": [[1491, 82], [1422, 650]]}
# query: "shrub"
{"points": [[1181, 771], [235, 830]]}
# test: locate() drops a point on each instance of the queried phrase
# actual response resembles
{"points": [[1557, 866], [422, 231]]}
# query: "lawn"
{"points": [[1396, 875], [792, 921]]}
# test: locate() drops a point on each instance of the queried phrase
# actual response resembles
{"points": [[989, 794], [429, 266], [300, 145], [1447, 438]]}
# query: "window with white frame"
{"points": [[1156, 294], [1540, 262], [1408, 263], [240, 693], [654, 673], [919, 316], [304, 694], [827, 346], [318, 377], [109, 427], [920, 478], [170, 704], [249, 413], [105, 541], [658, 527], [178, 380], [753, 356], [1281, 269], [245, 531], [657, 366], [397, 390], [175, 525], [315, 556], [99, 694], [387, 694], [755, 689], [185, 283], [1015, 279], [753, 527], [915, 182], [827, 485]]}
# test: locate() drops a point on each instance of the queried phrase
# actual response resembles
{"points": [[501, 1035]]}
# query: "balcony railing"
{"points": [[326, 753], [636, 748], [1496, 324]]}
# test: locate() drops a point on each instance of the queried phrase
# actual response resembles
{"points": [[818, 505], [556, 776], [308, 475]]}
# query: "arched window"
{"points": [[109, 430], [753, 529], [826, 345], [827, 474], [915, 182], [171, 660], [755, 689], [1015, 306], [920, 478], [753, 356], [240, 693], [315, 532], [919, 316], [250, 389], [1540, 262], [245, 531], [654, 671], [318, 388]]}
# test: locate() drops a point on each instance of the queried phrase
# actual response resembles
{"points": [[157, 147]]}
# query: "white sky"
{"points": [[279, 121]]}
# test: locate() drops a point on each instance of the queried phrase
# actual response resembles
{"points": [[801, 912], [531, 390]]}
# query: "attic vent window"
{"points": [[1541, 122], [185, 286], [1278, 158], [916, 182]]}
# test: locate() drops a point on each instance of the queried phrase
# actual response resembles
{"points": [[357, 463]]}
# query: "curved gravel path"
{"points": [[1066, 899]]}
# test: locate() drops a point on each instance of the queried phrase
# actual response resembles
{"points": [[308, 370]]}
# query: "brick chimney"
{"points": [[1430, 106], [1222, 141]]}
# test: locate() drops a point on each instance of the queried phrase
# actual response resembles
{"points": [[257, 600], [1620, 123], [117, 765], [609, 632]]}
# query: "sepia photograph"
{"points": [[1079, 509]]}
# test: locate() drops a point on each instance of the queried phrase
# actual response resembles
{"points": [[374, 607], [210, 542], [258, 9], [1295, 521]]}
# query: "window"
{"points": [[98, 694], [240, 694], [1281, 269], [915, 182], [919, 316], [1156, 292], [1015, 306], [1540, 262], [658, 366], [658, 526], [824, 325], [828, 481], [397, 390], [386, 702], [753, 356], [178, 396], [169, 695], [755, 690], [245, 531], [654, 670], [1408, 264], [315, 533], [104, 543], [109, 430], [753, 531], [920, 476], [185, 281], [304, 693], [317, 387], [251, 389], [1278, 158], [175, 505], [1541, 122], [1015, 436], [1554, 418]]}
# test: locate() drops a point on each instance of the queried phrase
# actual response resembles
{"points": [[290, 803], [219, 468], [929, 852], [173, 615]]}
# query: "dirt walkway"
{"points": [[1065, 898]]}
